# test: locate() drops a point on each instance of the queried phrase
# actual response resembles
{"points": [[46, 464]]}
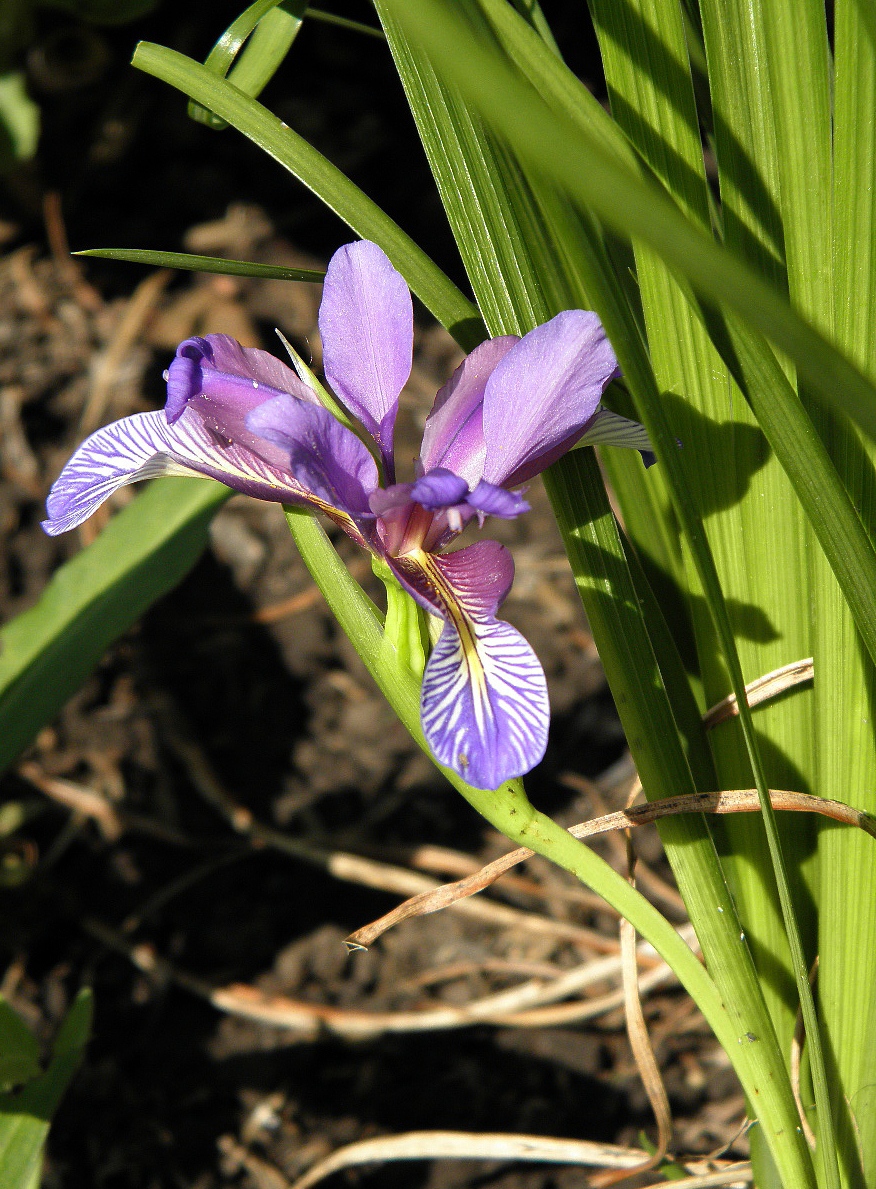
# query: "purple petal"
{"points": [[454, 436], [389, 499], [610, 429], [255, 364], [326, 458], [145, 446], [439, 488], [484, 703], [472, 582], [490, 500], [543, 394], [226, 380], [366, 322], [480, 576]]}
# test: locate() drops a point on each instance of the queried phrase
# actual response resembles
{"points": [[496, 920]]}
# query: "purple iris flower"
{"points": [[512, 407]]}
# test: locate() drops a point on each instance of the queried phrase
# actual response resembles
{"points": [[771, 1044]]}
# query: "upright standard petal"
{"points": [[543, 394], [366, 322], [484, 703], [454, 433], [145, 446]]}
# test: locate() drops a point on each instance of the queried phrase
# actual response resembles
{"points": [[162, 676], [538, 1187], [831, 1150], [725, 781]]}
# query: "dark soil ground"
{"points": [[135, 874]]}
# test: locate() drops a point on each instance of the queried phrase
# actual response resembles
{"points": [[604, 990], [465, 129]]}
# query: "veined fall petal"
{"points": [[145, 446], [484, 701]]}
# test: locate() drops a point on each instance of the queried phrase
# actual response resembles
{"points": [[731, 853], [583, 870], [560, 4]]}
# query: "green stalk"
{"points": [[847, 940], [508, 808]]}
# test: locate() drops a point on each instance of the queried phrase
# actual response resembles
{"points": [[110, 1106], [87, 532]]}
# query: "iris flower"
{"points": [[512, 407]]}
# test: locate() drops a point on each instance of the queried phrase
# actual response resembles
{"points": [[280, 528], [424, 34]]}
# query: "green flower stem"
{"points": [[509, 810], [405, 630]]}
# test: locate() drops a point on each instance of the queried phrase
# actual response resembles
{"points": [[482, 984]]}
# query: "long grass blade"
{"points": [[434, 289], [847, 941], [652, 98], [483, 181], [216, 264], [636, 209], [48, 651]]}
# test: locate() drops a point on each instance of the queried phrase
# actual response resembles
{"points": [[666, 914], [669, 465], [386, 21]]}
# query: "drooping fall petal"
{"points": [[484, 703], [145, 446]]}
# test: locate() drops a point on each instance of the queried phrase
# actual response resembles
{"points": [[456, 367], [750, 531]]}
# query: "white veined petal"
{"points": [[145, 447], [484, 702]]}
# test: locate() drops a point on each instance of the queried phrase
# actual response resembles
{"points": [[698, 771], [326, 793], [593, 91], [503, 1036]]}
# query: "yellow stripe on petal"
{"points": [[484, 704]]}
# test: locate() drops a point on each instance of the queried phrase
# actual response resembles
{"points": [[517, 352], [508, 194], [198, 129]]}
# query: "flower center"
{"points": [[410, 535]]}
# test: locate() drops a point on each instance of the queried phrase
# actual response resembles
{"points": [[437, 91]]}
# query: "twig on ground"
{"points": [[81, 800], [455, 970], [584, 1009], [732, 1175], [237, 1158], [310, 1020], [643, 1053], [510, 1008], [461, 1145], [349, 867], [637, 1029], [732, 801]]}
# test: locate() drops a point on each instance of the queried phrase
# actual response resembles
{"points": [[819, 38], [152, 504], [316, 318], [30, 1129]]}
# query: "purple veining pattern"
{"points": [[513, 406]]}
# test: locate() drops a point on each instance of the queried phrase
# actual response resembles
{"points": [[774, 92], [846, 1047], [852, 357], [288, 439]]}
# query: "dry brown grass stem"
{"points": [[461, 1145], [83, 801], [730, 801], [732, 1175], [796, 1060], [770, 685], [640, 1042], [310, 1020]]}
